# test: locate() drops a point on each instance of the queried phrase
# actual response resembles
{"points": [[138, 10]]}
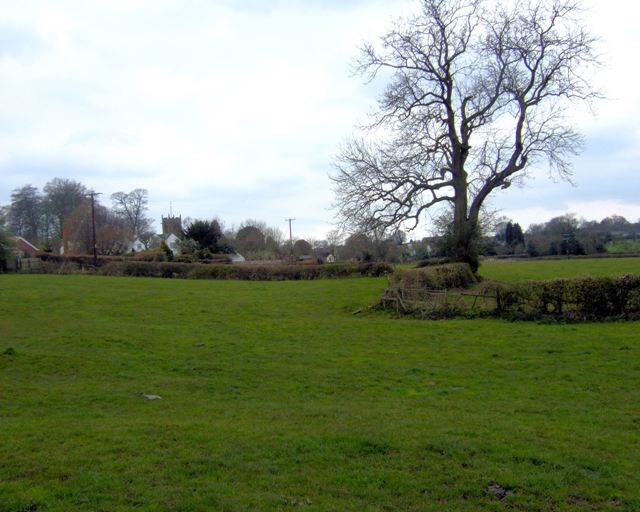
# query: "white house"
{"points": [[173, 243], [135, 246], [236, 257]]}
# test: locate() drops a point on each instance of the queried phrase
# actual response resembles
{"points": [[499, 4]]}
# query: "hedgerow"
{"points": [[437, 277], [439, 292], [584, 298], [243, 272], [425, 292]]}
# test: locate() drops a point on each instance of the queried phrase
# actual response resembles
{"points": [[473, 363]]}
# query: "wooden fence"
{"points": [[424, 301]]}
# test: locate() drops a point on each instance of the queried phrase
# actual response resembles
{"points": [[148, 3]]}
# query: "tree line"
{"points": [[562, 235], [568, 235], [60, 218], [62, 215]]}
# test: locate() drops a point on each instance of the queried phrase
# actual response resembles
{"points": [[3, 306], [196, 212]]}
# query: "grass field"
{"points": [[624, 246], [517, 270], [276, 397]]}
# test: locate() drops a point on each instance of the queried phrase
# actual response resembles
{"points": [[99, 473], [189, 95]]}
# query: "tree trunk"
{"points": [[465, 227], [465, 235]]}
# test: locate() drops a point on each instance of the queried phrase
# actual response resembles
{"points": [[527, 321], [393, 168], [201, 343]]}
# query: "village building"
{"points": [[25, 248]]}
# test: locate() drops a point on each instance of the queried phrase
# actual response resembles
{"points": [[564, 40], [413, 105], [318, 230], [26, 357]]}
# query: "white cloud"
{"points": [[229, 110]]}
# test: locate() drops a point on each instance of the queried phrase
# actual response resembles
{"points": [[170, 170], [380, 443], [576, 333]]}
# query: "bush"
{"points": [[373, 269], [424, 292], [81, 260], [584, 298], [6, 246], [436, 277], [243, 272], [146, 269]]}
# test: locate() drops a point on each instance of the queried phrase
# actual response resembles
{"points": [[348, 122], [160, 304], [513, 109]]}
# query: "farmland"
{"points": [[518, 270], [276, 397]]}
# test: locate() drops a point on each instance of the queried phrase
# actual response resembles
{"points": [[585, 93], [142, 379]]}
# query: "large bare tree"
{"points": [[477, 93], [61, 197], [132, 208]]}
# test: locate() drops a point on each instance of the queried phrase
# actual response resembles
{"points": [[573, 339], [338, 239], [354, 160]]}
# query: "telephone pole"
{"points": [[93, 195], [290, 240]]}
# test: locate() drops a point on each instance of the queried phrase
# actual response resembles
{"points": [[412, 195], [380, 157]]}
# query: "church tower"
{"points": [[171, 225]]}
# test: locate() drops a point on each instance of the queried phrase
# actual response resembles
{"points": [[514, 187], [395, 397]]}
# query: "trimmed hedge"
{"points": [[146, 269], [435, 292], [584, 298], [243, 272], [86, 260], [82, 260], [436, 277]]}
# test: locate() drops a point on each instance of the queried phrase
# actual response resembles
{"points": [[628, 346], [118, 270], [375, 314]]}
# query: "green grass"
{"points": [[276, 397], [517, 270], [619, 246]]}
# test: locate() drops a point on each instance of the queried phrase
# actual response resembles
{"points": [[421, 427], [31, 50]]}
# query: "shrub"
{"points": [[584, 298], [373, 269], [242, 272], [146, 269], [424, 292], [436, 277], [81, 260], [6, 245], [112, 269]]}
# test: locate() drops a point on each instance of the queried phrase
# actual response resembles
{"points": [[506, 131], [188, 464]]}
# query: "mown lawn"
{"points": [[276, 397], [517, 270]]}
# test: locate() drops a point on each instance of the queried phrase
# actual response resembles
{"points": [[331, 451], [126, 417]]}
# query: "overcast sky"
{"points": [[235, 108]]}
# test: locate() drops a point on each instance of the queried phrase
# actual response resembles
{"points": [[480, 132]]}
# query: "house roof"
{"points": [[24, 245]]}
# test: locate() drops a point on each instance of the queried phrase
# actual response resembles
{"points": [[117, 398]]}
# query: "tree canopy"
{"points": [[208, 235]]}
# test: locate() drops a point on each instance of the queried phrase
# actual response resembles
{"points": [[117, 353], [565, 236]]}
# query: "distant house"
{"points": [[306, 259], [236, 257], [173, 243], [330, 259], [24, 247], [135, 246], [23, 255]]}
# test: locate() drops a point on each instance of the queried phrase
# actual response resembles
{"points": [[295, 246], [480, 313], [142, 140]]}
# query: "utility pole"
{"points": [[290, 240], [93, 194]]}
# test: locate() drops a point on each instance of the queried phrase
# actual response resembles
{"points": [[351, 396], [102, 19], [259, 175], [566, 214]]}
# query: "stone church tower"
{"points": [[171, 225]]}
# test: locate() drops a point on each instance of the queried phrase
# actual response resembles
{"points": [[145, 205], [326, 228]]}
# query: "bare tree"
{"points": [[132, 207], [62, 196], [476, 95], [25, 214], [112, 232]]}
